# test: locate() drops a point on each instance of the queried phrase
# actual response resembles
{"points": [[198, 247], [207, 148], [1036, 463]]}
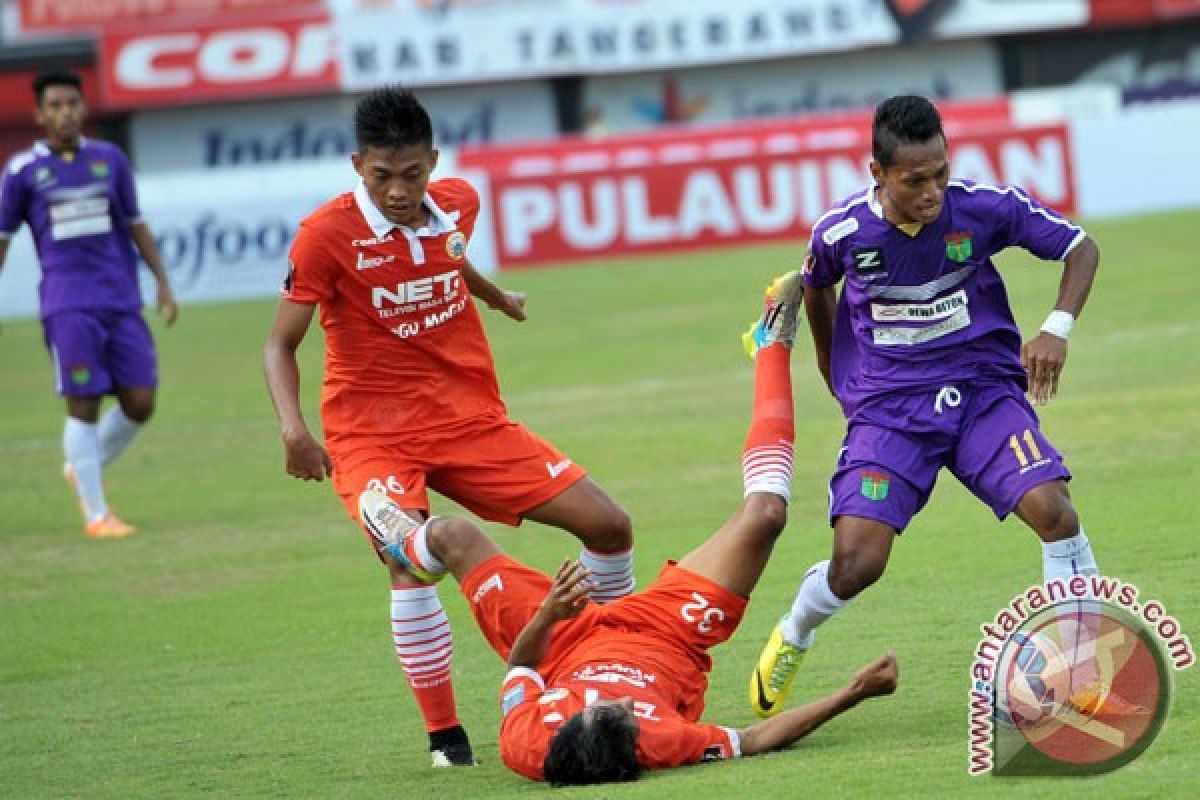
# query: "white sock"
{"points": [[116, 432], [1063, 560], [611, 572], [81, 446], [814, 603], [421, 635]]}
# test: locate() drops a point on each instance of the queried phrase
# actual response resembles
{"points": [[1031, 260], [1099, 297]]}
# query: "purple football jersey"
{"points": [[931, 309], [79, 212]]}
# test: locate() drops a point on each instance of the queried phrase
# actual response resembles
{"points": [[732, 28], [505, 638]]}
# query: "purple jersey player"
{"points": [[77, 196], [923, 355]]}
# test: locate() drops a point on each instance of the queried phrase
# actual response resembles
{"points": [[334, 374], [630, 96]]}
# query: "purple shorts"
{"points": [[97, 352], [986, 434]]}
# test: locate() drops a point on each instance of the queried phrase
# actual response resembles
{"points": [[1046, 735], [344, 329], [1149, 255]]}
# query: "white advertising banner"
{"points": [[987, 17], [419, 42], [322, 128], [944, 71], [423, 43]]}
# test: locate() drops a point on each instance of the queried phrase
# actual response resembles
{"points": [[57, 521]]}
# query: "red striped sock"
{"points": [[421, 633], [767, 454]]}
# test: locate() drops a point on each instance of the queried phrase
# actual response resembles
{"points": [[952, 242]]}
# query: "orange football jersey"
{"points": [[405, 350], [666, 737]]}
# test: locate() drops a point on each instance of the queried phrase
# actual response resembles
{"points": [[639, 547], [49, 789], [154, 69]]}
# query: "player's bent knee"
{"points": [[613, 533], [454, 540], [140, 411], [850, 574], [768, 511], [1057, 519]]}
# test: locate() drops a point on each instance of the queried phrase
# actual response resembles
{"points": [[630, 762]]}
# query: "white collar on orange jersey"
{"points": [[439, 221]]}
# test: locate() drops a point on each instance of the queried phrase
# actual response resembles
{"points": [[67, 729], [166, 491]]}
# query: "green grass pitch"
{"points": [[238, 646]]}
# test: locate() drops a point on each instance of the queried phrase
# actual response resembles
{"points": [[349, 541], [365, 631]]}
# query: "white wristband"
{"points": [[1059, 323]]}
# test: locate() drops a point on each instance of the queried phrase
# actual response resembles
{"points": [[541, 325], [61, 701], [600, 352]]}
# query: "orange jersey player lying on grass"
{"points": [[599, 693], [410, 399]]}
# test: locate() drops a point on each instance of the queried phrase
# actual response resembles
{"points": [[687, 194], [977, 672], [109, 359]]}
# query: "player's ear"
{"points": [[357, 160], [876, 171], [433, 159]]}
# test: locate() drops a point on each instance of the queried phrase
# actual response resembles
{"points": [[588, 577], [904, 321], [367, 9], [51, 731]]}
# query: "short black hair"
{"points": [[55, 77], [604, 751], [903, 119], [391, 118]]}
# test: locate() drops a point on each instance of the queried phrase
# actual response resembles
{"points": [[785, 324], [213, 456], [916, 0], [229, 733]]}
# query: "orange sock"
{"points": [[767, 453], [421, 634]]}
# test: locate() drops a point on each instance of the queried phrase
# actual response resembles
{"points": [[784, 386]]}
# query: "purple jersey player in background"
{"points": [[77, 196], [923, 355]]}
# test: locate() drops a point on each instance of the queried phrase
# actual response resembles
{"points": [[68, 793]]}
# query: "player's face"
{"points": [[61, 112], [914, 186], [396, 180]]}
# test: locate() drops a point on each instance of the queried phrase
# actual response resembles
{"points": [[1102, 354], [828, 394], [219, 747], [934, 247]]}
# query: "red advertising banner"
{"points": [[1177, 8], [17, 90], [193, 63], [84, 15], [1139, 12], [756, 185]]}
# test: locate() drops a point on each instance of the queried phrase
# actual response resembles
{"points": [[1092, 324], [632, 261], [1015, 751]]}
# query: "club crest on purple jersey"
{"points": [[958, 246]]}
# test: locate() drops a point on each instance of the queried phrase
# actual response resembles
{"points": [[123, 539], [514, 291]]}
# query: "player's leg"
{"points": [[870, 503], [505, 473], [421, 632], [121, 424], [602, 527], [133, 365], [1006, 460], [503, 594], [735, 556], [76, 341]]}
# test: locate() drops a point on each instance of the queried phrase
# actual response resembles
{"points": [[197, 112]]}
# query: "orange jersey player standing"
{"points": [[410, 400], [599, 693]]}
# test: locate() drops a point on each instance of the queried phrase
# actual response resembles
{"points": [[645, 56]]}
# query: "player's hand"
{"points": [[306, 459], [166, 304], [511, 304], [1044, 357], [569, 594], [877, 678]]}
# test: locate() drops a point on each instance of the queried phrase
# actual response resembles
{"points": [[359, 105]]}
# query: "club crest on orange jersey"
{"points": [[456, 246]]}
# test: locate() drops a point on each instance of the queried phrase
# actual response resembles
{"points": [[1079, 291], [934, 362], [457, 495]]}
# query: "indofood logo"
{"points": [[1072, 678]]}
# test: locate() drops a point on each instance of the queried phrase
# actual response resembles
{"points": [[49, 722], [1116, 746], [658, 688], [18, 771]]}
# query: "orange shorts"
{"points": [[499, 471], [672, 622]]}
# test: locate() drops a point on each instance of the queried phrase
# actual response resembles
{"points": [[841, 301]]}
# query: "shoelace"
{"points": [[784, 664], [393, 519]]}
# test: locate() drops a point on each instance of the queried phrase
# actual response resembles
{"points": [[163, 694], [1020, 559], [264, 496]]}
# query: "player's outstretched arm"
{"points": [[305, 458], [566, 598], [1045, 355], [144, 239], [875, 679], [819, 306], [510, 304]]}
